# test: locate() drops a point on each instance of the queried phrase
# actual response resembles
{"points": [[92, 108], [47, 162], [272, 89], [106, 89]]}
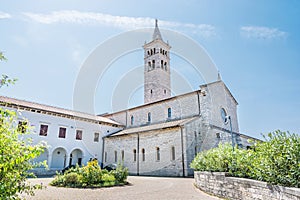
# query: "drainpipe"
{"points": [[138, 156], [102, 159], [126, 118], [182, 151], [198, 95]]}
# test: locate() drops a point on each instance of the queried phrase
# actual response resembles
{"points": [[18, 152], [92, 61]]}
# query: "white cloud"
{"points": [[4, 15], [261, 32], [122, 22]]}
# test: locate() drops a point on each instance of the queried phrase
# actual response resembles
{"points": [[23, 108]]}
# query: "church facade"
{"points": [[159, 138]]}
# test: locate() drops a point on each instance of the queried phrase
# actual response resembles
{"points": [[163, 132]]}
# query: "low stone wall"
{"points": [[42, 172], [218, 184]]}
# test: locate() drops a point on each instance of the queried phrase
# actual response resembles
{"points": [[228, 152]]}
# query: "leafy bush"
{"points": [[71, 179], [120, 174], [276, 161], [16, 155], [91, 175]]}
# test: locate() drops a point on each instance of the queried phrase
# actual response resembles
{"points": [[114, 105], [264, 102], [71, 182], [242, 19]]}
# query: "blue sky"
{"points": [[254, 44]]}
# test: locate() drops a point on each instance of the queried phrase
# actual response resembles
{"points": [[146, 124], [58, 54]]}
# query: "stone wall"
{"points": [[182, 106], [147, 142], [218, 184]]}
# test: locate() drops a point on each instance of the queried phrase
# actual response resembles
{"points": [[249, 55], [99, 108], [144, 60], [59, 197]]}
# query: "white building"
{"points": [[72, 137]]}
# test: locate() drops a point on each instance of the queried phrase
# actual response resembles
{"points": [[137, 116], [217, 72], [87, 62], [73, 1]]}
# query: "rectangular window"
{"points": [[43, 130], [157, 154], [62, 132], [116, 156], [22, 126], [78, 134], [96, 137], [173, 153]]}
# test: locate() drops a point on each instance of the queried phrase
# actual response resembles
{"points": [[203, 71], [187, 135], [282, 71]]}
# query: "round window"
{"points": [[223, 114]]}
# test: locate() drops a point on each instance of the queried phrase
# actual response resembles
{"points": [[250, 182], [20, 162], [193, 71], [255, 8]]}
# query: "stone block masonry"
{"points": [[218, 184]]}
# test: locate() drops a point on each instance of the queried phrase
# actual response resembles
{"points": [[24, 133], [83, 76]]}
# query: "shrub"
{"points": [[71, 179], [108, 179], [217, 159], [276, 161], [120, 174], [90, 175]]}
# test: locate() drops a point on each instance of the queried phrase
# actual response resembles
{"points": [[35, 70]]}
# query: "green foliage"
{"points": [[5, 80], [72, 178], [120, 174], [276, 161], [16, 154], [217, 159], [91, 175]]}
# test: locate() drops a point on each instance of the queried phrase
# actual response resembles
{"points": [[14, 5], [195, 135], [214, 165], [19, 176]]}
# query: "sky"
{"points": [[255, 45]]}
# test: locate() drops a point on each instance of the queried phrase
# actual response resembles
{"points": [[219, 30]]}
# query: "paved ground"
{"points": [[139, 188]]}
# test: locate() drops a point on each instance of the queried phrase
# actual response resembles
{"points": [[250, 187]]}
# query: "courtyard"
{"points": [[138, 188]]}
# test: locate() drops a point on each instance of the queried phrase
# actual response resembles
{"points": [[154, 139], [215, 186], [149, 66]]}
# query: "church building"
{"points": [[159, 138], [162, 136]]}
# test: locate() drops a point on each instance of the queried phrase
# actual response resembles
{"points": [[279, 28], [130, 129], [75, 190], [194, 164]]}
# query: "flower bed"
{"points": [[91, 176]]}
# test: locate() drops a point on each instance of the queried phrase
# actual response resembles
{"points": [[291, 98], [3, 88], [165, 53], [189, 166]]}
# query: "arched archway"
{"points": [[76, 157], [59, 157]]}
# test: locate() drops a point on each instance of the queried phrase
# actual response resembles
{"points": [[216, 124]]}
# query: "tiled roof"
{"points": [[151, 127], [46, 108]]}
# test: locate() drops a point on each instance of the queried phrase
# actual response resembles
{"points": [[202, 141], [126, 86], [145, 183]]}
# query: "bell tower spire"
{"points": [[156, 33], [157, 81]]}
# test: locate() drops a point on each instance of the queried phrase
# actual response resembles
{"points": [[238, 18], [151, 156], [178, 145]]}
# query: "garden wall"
{"points": [[218, 184]]}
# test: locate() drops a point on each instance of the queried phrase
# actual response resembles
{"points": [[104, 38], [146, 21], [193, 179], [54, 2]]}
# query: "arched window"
{"points": [[169, 112], [151, 91], [134, 155], [148, 53], [149, 116], [162, 64], [173, 153], [151, 52], [122, 155], [131, 120], [154, 51], [149, 65], [143, 155], [153, 64], [116, 156], [157, 154]]}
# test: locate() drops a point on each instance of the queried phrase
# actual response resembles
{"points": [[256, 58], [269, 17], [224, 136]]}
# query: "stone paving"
{"points": [[139, 188]]}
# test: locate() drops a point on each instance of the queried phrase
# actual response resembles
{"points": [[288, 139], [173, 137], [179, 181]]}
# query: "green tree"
{"points": [[16, 152], [5, 80]]}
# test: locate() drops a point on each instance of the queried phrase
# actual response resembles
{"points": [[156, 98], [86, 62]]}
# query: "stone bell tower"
{"points": [[157, 80]]}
